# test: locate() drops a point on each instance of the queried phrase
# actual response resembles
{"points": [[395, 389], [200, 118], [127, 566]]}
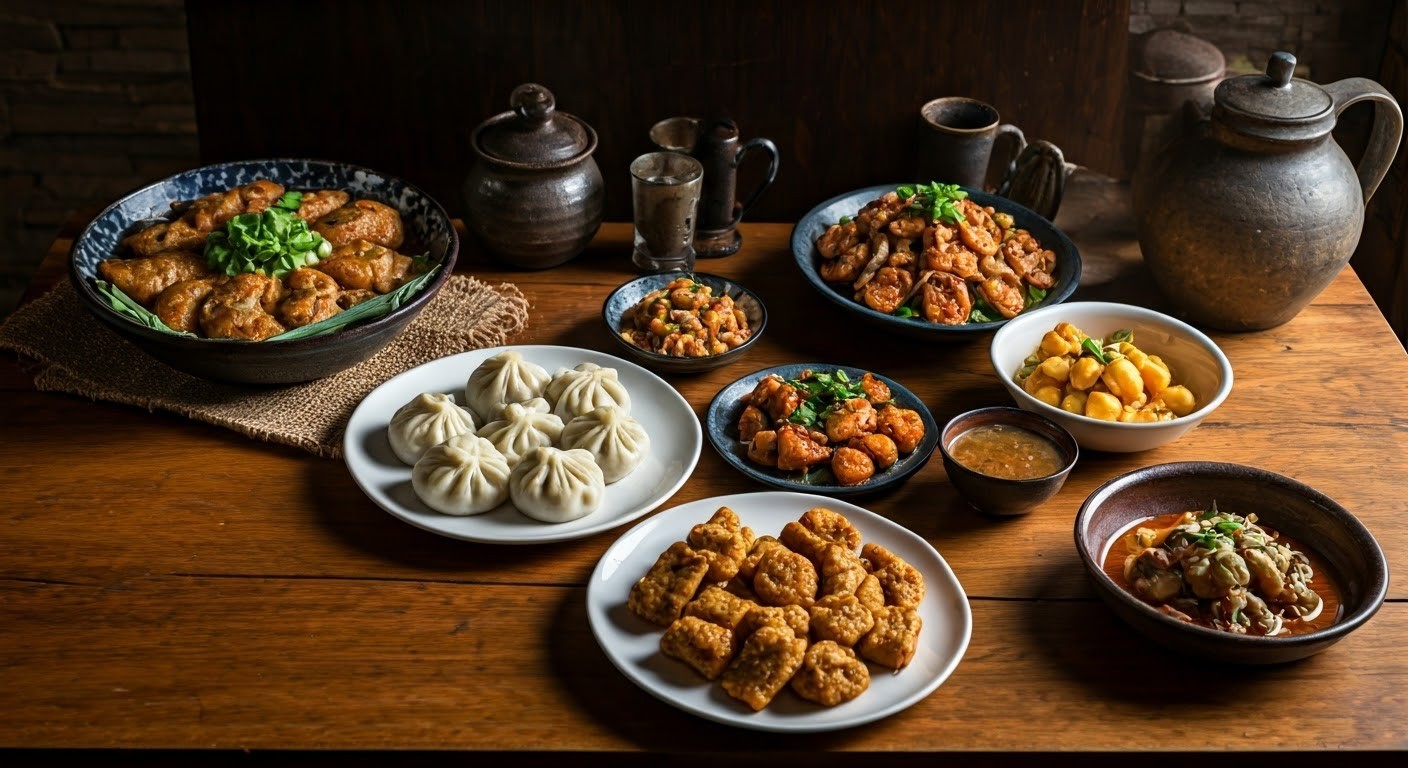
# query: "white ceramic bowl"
{"points": [[1195, 360]]}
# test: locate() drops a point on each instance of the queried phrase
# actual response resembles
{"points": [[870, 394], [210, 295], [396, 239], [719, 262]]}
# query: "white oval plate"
{"points": [[633, 644], [675, 441]]}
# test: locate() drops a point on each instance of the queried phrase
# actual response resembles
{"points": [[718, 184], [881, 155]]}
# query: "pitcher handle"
{"points": [[1387, 132], [1014, 149], [768, 179]]}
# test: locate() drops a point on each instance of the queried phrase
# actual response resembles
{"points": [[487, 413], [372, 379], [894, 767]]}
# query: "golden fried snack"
{"points": [[785, 578], [767, 661], [741, 588], [201, 217], [903, 425], [717, 606], [803, 540], [880, 448], [792, 617], [751, 422], [763, 448], [842, 570], [902, 582], [723, 541], [362, 220], [661, 594], [830, 674], [179, 305], [832, 526], [870, 593], [241, 307], [841, 619], [145, 278], [318, 203], [851, 466], [312, 296], [706, 647], [364, 265], [894, 639], [760, 546]]}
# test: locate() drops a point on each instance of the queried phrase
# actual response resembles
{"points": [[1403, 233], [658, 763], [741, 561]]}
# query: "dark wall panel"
{"points": [[399, 86]]}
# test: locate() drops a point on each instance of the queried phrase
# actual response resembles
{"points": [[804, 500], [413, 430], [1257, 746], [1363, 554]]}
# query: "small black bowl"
{"points": [[721, 426], [1357, 564], [427, 226], [1001, 496], [629, 294]]}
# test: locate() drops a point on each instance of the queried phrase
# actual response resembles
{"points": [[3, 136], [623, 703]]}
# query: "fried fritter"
{"points": [[145, 278], [803, 540], [662, 593], [362, 220], [717, 606], [760, 546], [842, 570], [894, 639], [767, 661], [832, 526], [870, 593], [902, 582], [179, 305], [841, 618], [830, 674], [705, 646], [792, 617], [785, 578], [362, 264], [723, 541], [241, 307], [312, 296]]}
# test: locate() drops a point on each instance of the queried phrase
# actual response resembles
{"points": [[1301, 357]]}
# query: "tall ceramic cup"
{"points": [[956, 139], [665, 188], [717, 145]]}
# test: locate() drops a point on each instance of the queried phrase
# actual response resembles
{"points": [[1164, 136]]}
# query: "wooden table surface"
{"points": [[175, 586]]}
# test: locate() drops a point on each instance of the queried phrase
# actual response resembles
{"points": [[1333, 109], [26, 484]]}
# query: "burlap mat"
{"points": [[75, 353]]}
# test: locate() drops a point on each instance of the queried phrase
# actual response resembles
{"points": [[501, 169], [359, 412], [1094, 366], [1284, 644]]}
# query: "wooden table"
{"points": [[171, 585]]}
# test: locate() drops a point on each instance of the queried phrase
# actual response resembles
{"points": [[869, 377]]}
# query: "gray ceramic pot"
{"points": [[534, 197], [1248, 216]]}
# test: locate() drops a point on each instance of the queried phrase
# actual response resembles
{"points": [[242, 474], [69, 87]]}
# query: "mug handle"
{"points": [[1018, 144], [771, 149]]}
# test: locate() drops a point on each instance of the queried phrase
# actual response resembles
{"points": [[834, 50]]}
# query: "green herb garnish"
{"points": [[1089, 345], [982, 312], [1034, 296], [128, 307], [273, 243], [937, 201], [905, 311], [823, 391]]}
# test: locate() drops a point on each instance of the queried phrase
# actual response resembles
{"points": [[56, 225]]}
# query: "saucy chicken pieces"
{"points": [[854, 428], [169, 274]]}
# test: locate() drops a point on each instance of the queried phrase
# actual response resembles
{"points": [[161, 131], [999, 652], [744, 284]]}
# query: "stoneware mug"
{"points": [[956, 139]]}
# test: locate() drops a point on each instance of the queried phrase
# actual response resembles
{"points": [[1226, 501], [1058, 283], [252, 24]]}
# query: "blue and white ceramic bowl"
{"points": [[428, 230]]}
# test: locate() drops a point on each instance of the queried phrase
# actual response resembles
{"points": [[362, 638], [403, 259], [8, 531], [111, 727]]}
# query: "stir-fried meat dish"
{"points": [[172, 273], [825, 419], [968, 264]]}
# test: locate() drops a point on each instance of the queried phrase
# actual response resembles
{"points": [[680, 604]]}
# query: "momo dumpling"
{"points": [[504, 378], [429, 419], [615, 439], [554, 485], [579, 390], [465, 475], [521, 427]]}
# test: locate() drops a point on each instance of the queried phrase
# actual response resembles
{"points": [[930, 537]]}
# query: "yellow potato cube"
{"points": [[1054, 345], [1051, 395], [1057, 368], [1156, 376], [1085, 372], [1123, 380], [1179, 399], [1038, 380], [1103, 406], [1070, 333], [1074, 402]]}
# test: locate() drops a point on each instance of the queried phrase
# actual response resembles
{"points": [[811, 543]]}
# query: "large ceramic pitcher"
{"points": [[1247, 216]]}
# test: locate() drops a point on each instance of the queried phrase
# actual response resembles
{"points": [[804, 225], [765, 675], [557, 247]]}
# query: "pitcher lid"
{"points": [[1275, 105], [534, 133]]}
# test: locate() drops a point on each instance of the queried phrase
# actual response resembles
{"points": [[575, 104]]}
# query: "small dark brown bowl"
{"points": [[1282, 504], [629, 294], [996, 495], [270, 362]]}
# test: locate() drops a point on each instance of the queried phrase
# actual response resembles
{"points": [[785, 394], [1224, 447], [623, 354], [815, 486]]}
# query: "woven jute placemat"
{"points": [[72, 352]]}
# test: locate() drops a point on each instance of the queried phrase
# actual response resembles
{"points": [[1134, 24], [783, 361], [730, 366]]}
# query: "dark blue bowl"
{"points": [[814, 224], [630, 294], [428, 230], [721, 425]]}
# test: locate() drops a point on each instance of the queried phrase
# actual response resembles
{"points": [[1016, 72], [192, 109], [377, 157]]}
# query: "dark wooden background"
{"points": [[399, 86]]}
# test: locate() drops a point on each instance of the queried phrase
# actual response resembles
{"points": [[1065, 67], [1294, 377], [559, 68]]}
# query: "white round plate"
{"points": [[633, 644], [675, 442]]}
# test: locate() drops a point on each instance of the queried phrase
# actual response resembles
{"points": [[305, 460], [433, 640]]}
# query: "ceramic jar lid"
{"points": [[534, 134], [1173, 57], [1275, 105]]}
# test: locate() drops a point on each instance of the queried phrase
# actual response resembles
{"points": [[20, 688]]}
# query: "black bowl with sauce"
{"points": [[1343, 552], [1006, 461]]}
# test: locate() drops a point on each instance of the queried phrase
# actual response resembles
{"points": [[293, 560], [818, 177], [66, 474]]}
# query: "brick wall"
{"points": [[95, 100], [95, 95]]}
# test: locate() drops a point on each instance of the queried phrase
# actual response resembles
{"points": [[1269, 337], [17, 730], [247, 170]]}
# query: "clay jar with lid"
{"points": [[534, 196], [1249, 214]]}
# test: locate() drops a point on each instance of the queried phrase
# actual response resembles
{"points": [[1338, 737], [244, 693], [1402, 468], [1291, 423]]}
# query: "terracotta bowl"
{"points": [[1320, 524], [1000, 496], [428, 230]]}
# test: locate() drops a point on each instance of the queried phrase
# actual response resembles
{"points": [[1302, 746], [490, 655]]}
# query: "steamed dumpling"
{"points": [[616, 440], [429, 419], [521, 427], [465, 475], [579, 390], [554, 486], [504, 378]]}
